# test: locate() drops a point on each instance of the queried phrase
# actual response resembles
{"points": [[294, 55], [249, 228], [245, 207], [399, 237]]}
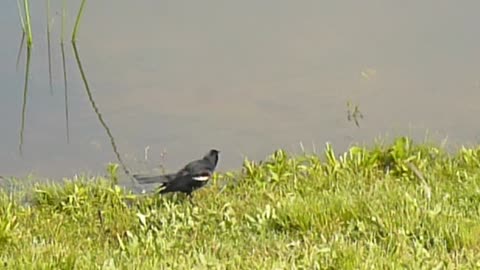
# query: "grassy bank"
{"points": [[395, 206]]}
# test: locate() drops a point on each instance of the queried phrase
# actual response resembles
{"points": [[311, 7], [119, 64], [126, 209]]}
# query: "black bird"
{"points": [[194, 175]]}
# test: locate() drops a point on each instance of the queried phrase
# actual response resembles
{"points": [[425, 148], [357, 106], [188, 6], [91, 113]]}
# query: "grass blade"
{"points": [[77, 22]]}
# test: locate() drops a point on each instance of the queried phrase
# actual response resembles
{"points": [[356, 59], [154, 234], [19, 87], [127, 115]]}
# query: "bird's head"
{"points": [[212, 156]]}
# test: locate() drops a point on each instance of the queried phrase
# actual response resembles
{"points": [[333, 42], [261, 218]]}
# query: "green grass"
{"points": [[397, 206]]}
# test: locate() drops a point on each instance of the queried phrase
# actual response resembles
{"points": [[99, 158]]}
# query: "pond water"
{"points": [[245, 77]]}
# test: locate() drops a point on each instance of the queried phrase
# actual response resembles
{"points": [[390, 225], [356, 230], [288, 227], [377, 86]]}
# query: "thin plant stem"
{"points": [[77, 22], [28, 25]]}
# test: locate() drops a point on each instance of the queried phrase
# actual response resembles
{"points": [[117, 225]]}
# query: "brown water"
{"points": [[245, 77]]}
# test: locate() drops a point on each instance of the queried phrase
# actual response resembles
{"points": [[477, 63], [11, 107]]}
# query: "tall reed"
{"points": [[77, 22], [28, 25]]}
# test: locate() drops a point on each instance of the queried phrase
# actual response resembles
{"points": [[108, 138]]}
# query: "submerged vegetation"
{"points": [[392, 206]]}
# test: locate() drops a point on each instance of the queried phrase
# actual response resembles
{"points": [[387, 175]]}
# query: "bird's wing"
{"points": [[153, 179], [197, 174], [198, 167], [202, 177]]}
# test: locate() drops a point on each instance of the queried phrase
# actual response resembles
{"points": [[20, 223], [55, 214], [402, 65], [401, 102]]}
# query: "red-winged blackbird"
{"points": [[193, 176]]}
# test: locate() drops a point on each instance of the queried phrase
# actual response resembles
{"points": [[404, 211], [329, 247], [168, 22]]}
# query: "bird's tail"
{"points": [[149, 179]]}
